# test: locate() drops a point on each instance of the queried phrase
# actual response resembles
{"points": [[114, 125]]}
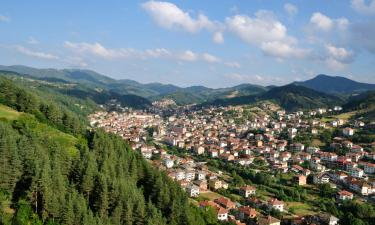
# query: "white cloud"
{"points": [[210, 58], [325, 23], [266, 32], [169, 16], [233, 64], [361, 6], [338, 57], [321, 21], [262, 28], [188, 56], [191, 56], [339, 53], [290, 9], [98, 50], [283, 50], [4, 18], [218, 38], [37, 54]]}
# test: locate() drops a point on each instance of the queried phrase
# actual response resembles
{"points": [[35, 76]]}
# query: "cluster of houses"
{"points": [[269, 134]]}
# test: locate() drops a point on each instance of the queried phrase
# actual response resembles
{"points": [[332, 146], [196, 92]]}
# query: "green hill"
{"points": [[55, 171], [364, 104]]}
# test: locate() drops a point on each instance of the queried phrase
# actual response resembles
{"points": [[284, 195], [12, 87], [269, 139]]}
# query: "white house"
{"points": [[348, 131]]}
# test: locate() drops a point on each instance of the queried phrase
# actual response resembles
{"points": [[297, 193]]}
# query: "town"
{"points": [[254, 163]]}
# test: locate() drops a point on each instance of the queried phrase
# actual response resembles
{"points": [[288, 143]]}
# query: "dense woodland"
{"points": [[55, 171]]}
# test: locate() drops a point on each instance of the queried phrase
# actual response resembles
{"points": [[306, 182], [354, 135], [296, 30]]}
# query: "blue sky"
{"points": [[194, 42]]}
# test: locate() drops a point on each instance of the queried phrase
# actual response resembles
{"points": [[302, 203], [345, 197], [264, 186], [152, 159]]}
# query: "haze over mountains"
{"points": [[317, 92]]}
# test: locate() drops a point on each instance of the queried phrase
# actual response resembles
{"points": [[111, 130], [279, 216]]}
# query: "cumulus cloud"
{"points": [[36, 54], [218, 38], [339, 53], [338, 57], [321, 21], [361, 6], [266, 32], [169, 16], [283, 50], [4, 18], [290, 9], [325, 23]]}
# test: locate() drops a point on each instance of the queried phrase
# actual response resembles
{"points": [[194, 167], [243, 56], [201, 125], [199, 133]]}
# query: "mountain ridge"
{"points": [[336, 85]]}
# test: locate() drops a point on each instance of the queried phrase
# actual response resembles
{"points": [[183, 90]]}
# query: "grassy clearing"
{"points": [[8, 113], [301, 209], [65, 141], [210, 195], [317, 142], [343, 116]]}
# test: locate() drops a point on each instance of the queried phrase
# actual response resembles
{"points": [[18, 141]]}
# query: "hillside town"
{"points": [[221, 156]]}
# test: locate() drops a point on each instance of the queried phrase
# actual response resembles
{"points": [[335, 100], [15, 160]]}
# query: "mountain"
{"points": [[336, 85], [364, 104], [291, 97], [131, 88]]}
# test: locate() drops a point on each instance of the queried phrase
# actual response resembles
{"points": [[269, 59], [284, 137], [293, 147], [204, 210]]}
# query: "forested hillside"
{"points": [[55, 171], [291, 97]]}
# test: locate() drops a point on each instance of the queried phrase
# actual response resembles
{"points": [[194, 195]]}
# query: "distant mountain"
{"points": [[151, 91], [336, 85], [291, 97]]}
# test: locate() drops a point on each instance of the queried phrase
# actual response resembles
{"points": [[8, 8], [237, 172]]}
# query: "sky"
{"points": [[212, 43]]}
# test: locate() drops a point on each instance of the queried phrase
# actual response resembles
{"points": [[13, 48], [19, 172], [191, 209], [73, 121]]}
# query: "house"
{"points": [[369, 168], [222, 214], [199, 150], [169, 163], [225, 202], [201, 175], [356, 172], [247, 190], [321, 179], [202, 184], [246, 212], [328, 219], [215, 184], [299, 179], [192, 190], [344, 195], [297, 147], [268, 220], [347, 131], [276, 204]]}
